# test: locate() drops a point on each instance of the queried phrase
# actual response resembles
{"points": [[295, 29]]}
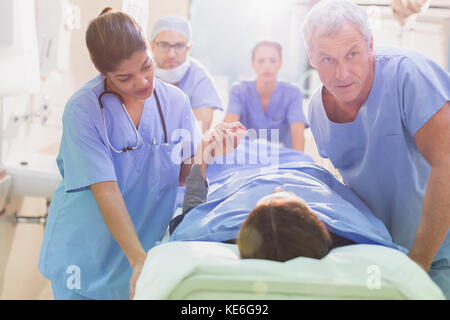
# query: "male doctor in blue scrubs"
{"points": [[382, 116], [171, 43]]}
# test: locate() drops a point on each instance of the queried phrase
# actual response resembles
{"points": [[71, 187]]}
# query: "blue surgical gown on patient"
{"points": [[236, 188], [376, 153], [284, 109], [76, 237]]}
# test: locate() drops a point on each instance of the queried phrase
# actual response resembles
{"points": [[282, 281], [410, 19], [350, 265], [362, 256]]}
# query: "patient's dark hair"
{"points": [[113, 37], [281, 230]]}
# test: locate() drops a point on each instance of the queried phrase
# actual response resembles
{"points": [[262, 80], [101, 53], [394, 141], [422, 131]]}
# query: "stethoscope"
{"points": [[119, 97]]}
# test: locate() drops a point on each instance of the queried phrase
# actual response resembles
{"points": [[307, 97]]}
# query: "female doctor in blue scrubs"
{"points": [[122, 132], [268, 103]]}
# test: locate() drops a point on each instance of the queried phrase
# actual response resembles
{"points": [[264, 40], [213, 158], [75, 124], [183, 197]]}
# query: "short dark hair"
{"points": [[281, 230], [266, 43], [112, 37]]}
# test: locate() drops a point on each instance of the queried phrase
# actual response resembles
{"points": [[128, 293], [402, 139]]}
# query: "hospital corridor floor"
{"points": [[21, 279]]}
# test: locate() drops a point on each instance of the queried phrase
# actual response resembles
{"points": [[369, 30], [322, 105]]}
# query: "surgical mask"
{"points": [[173, 75]]}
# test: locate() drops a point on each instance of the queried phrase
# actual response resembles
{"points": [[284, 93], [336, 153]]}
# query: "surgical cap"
{"points": [[175, 23]]}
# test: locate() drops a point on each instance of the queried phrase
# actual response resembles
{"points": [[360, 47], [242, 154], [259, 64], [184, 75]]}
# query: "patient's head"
{"points": [[282, 227]]}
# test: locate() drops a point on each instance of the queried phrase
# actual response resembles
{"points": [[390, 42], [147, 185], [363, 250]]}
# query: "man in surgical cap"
{"points": [[171, 43]]}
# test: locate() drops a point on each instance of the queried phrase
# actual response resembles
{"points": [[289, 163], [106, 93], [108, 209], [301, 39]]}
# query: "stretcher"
{"points": [[212, 270]]}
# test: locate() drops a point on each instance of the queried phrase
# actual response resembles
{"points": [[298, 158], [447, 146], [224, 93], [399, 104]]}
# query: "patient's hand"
{"points": [[223, 139]]}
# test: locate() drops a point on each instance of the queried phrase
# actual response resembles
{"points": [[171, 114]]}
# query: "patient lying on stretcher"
{"points": [[281, 212]]}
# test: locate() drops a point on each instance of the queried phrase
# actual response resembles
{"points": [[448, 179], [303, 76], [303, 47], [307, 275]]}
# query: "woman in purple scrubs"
{"points": [[267, 103]]}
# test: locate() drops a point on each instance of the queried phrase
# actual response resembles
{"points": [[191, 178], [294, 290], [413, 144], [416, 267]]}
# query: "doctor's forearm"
{"points": [[117, 219], [204, 117], [299, 144], [435, 221], [298, 136]]}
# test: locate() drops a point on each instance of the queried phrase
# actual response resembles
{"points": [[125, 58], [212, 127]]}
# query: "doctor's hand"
{"points": [[137, 268], [221, 140], [424, 263]]}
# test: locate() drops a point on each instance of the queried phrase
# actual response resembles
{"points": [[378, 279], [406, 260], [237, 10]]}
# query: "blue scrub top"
{"points": [[199, 86], [76, 237], [376, 153], [284, 109]]}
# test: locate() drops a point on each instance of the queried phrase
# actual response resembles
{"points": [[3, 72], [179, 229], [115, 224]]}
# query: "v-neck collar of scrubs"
{"points": [[149, 111], [141, 116], [258, 98], [142, 119]]}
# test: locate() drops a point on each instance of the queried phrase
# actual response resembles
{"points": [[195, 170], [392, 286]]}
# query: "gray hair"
{"points": [[327, 17]]}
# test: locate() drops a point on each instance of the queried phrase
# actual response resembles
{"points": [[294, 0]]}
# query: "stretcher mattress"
{"points": [[212, 270]]}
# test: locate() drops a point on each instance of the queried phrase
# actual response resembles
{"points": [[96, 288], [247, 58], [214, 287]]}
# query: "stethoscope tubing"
{"points": [[119, 97]]}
